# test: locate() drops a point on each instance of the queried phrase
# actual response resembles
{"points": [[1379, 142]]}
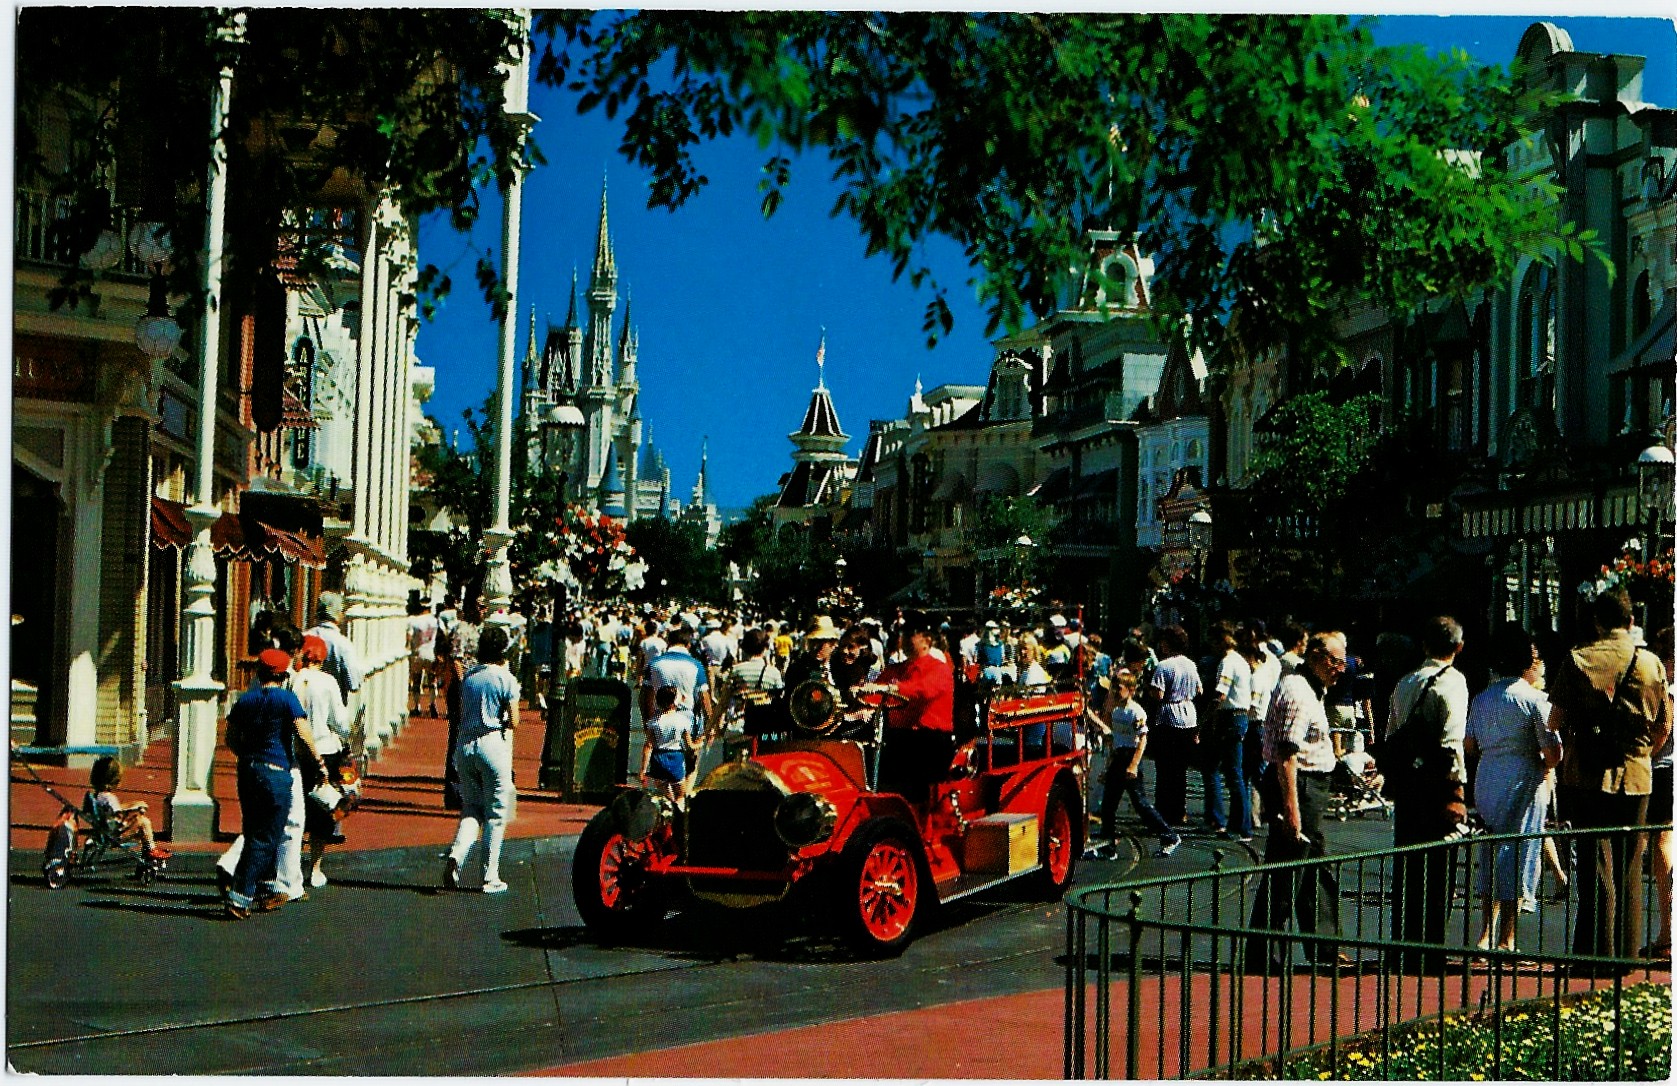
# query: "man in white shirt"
{"points": [[423, 629], [716, 651], [1299, 761], [343, 660], [1429, 710]]}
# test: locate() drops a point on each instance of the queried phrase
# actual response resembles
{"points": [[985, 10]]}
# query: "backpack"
{"points": [[1617, 727]]}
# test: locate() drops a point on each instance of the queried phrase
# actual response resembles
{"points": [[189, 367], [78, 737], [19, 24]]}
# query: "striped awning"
{"points": [[234, 537]]}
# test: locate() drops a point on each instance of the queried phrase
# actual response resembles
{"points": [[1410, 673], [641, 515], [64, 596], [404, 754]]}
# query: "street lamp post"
{"points": [[1653, 488], [497, 587], [838, 568], [1199, 541], [197, 691]]}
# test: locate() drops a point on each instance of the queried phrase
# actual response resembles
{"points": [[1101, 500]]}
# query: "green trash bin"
{"points": [[586, 752]]}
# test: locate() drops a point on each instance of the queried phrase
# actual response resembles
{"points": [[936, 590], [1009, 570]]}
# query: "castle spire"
{"points": [[605, 261], [570, 317], [701, 487]]}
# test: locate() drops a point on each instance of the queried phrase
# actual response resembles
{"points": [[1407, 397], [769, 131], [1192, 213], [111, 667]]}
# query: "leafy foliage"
{"points": [[679, 565], [460, 484], [996, 529], [793, 565], [1462, 1048], [1315, 448], [1276, 167], [329, 108]]}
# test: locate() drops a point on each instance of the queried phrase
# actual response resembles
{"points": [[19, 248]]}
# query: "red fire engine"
{"points": [[802, 814]]}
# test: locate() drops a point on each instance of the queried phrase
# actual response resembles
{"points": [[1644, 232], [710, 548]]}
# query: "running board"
{"points": [[966, 885]]}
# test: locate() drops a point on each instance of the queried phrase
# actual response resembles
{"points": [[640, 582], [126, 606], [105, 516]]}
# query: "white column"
{"points": [[395, 520], [197, 692], [498, 576], [88, 449], [364, 439]]}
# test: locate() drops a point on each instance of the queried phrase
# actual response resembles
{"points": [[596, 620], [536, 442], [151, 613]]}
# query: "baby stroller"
{"points": [[73, 849], [1356, 782]]}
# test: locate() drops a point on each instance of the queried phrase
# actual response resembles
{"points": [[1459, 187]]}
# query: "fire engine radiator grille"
{"points": [[734, 828]]}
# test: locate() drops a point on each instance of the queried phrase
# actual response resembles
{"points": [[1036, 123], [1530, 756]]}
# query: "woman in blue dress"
{"points": [[1508, 724]]}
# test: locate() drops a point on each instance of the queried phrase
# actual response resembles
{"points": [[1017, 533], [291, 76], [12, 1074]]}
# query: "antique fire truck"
{"points": [[799, 818]]}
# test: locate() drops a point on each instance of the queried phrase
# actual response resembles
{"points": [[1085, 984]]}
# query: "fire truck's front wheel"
{"points": [[1061, 842], [612, 892], [880, 889]]}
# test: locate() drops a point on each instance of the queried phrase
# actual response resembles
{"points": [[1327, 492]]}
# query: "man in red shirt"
{"points": [[919, 736]]}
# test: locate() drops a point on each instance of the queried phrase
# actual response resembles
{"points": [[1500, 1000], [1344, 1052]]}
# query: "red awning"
{"points": [[234, 537]]}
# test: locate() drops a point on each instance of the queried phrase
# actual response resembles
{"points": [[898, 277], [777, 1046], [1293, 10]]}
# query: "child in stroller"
{"points": [[112, 826], [129, 820], [1357, 781]]}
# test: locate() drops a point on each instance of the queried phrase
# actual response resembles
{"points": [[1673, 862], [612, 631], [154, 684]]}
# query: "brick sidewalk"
{"points": [[401, 800]]}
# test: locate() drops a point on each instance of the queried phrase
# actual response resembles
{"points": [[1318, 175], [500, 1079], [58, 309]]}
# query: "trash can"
{"points": [[585, 754]]}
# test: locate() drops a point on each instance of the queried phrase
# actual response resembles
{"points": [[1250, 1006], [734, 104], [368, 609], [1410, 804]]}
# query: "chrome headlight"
{"points": [[641, 814], [805, 818]]}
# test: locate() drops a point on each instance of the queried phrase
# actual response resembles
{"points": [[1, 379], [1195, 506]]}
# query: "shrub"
{"points": [[1587, 1044]]}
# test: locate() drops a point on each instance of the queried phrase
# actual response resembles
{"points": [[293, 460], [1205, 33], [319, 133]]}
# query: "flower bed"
{"points": [[1587, 1044]]}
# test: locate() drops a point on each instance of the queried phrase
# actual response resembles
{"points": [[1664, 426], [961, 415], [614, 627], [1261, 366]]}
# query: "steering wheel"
{"points": [[884, 699], [816, 707]]}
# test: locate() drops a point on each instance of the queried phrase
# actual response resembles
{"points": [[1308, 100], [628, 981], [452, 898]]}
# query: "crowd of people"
{"points": [[1274, 723]]}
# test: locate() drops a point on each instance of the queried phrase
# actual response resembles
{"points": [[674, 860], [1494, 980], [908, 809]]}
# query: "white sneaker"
{"points": [[1169, 845], [318, 879], [494, 886]]}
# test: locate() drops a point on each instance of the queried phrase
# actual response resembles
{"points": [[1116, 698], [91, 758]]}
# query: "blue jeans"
{"points": [[1225, 764], [264, 799], [1119, 785]]}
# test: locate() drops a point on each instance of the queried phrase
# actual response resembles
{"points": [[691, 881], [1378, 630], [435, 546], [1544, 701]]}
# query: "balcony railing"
{"points": [[34, 240]]}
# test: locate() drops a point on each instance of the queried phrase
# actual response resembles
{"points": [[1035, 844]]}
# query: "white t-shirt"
{"points": [[1234, 681], [422, 636], [1129, 724], [324, 705]]}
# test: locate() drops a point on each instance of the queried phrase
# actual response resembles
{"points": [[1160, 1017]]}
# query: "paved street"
{"points": [[382, 972]]}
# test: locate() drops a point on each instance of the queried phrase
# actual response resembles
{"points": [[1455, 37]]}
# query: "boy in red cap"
{"points": [[264, 729]]}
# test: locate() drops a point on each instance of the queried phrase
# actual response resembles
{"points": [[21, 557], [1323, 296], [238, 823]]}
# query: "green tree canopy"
{"points": [[329, 107], [678, 564], [1313, 450], [1275, 166]]}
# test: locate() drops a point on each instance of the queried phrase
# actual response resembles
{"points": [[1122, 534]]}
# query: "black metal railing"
{"points": [[35, 236], [1211, 975]]}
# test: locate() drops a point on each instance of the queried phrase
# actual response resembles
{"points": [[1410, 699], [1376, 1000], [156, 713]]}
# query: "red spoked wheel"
{"points": [[883, 874], [1061, 844], [609, 881]]}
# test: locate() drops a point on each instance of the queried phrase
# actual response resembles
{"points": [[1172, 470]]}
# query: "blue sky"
{"points": [[730, 307]]}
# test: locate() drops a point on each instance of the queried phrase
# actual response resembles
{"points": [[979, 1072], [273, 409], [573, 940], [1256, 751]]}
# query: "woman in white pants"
{"points": [[483, 755]]}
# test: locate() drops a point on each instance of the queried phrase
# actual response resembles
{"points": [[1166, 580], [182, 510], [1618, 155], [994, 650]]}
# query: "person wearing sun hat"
{"points": [[815, 662], [265, 729]]}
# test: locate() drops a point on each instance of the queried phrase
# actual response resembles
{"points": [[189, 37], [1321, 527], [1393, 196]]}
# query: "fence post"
{"points": [[1132, 1040], [1216, 959]]}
